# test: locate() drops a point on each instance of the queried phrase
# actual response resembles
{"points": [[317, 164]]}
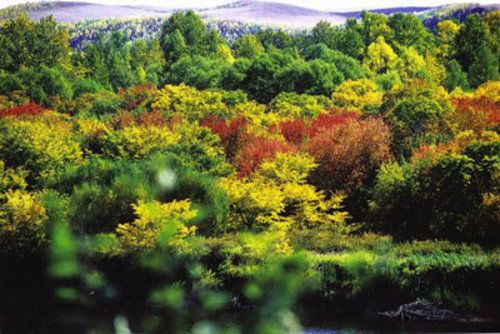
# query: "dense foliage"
{"points": [[183, 173]]}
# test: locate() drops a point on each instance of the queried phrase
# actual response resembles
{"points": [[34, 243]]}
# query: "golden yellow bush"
{"points": [[489, 90], [276, 197], [152, 218], [22, 222], [189, 102], [42, 145], [136, 141], [358, 95]]}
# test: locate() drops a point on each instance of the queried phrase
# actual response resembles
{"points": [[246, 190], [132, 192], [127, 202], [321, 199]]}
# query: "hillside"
{"points": [[252, 11], [70, 12], [245, 11]]}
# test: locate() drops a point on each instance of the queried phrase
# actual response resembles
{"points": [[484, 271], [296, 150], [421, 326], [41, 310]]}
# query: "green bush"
{"points": [[450, 197]]}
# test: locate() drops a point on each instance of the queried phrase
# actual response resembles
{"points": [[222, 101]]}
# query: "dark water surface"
{"points": [[372, 326], [37, 320]]}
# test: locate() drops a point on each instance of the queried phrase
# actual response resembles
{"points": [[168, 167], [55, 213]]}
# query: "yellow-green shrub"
{"points": [[11, 178], [43, 146], [135, 142], [152, 219], [22, 223], [189, 102], [358, 95], [277, 197]]}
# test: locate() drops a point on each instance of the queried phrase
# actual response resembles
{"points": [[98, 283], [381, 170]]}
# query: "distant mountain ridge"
{"points": [[244, 11]]}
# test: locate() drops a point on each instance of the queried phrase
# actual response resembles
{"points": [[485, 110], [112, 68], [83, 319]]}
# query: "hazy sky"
{"points": [[330, 5]]}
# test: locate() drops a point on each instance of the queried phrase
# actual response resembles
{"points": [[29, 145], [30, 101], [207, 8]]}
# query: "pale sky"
{"points": [[328, 5]]}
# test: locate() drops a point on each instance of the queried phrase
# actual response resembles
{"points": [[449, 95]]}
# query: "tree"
{"points": [[120, 69], [484, 67], [470, 40], [24, 43], [416, 111], [492, 28], [455, 77], [173, 46], [447, 32], [197, 71], [350, 41], [380, 57], [375, 26], [295, 76], [359, 95], [409, 31], [43, 146], [324, 33], [350, 68], [411, 64], [288, 105], [94, 60], [147, 57], [43, 84], [474, 52], [248, 46], [261, 80], [184, 34], [234, 76], [325, 77], [183, 29], [278, 39]]}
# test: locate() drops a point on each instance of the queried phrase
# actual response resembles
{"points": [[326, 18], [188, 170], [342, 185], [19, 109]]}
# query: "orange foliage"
{"points": [[257, 150], [476, 114], [123, 119], [349, 153], [152, 118]]}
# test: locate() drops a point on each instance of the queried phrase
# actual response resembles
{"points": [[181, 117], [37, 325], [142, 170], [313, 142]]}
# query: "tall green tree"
{"points": [[375, 26], [25, 43], [469, 40], [248, 46], [409, 31], [484, 66]]}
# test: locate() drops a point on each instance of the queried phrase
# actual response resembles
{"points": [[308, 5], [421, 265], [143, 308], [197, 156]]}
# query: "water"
{"points": [[370, 326]]}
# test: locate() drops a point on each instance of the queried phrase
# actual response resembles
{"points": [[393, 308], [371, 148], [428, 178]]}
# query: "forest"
{"points": [[187, 184]]}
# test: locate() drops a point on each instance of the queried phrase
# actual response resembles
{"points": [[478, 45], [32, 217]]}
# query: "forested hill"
{"points": [[86, 21]]}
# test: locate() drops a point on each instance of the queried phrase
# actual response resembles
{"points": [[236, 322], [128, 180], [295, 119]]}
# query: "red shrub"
{"points": [[349, 154], [257, 150], [232, 134], [329, 121], [31, 109], [294, 131]]}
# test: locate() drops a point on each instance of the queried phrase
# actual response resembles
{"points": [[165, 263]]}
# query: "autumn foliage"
{"points": [[31, 109], [257, 150], [294, 131], [476, 113], [349, 153], [232, 133]]}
